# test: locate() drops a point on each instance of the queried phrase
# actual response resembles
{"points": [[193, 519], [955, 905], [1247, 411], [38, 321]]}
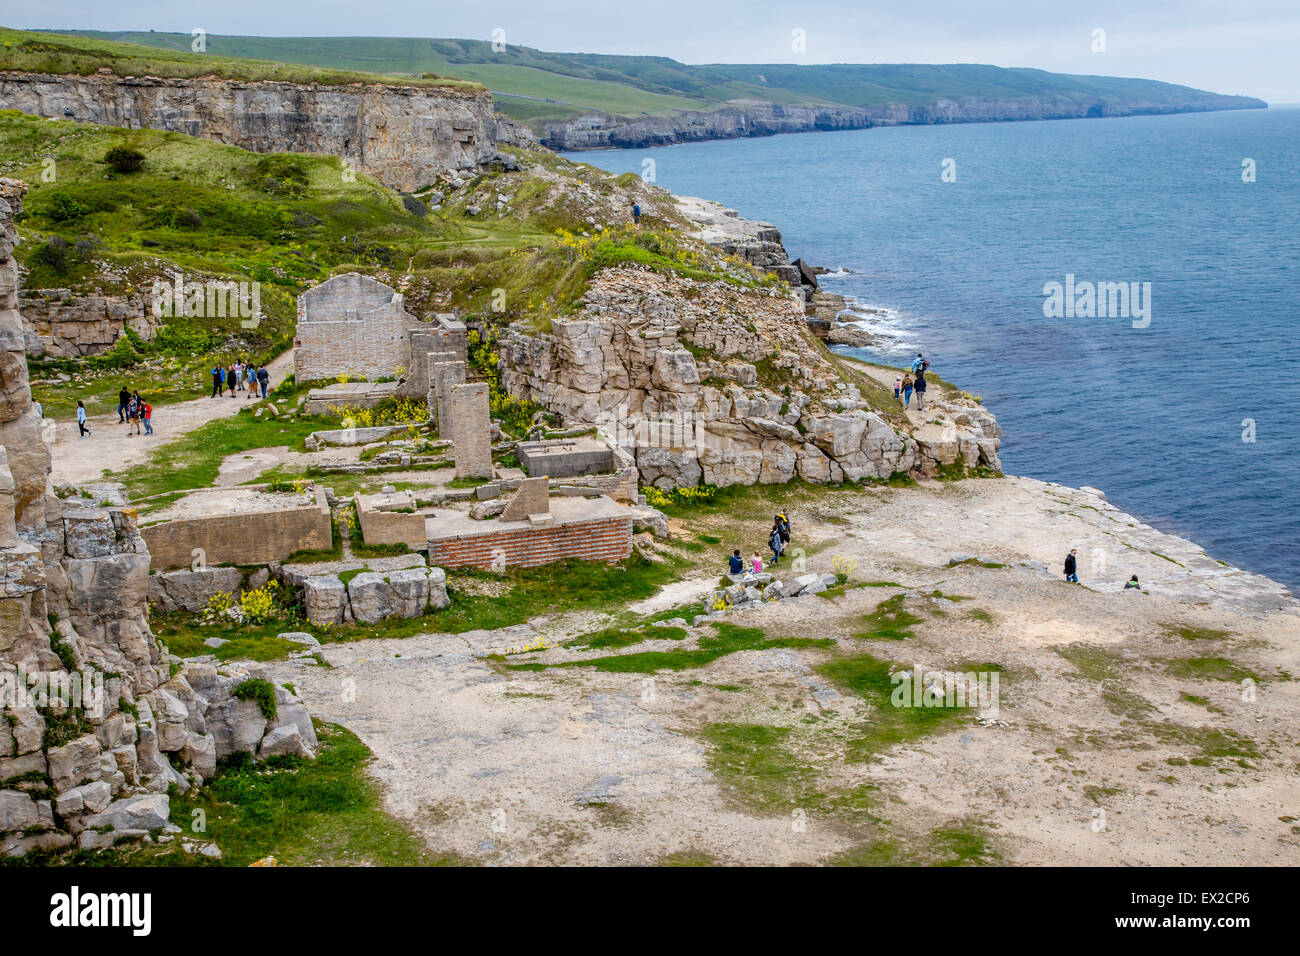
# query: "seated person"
{"points": [[736, 562]]}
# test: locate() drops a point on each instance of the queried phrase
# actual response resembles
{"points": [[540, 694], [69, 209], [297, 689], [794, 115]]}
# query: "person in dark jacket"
{"points": [[1072, 566], [218, 376], [263, 378], [1133, 584], [123, 397], [784, 521], [920, 386], [775, 543], [736, 563]]}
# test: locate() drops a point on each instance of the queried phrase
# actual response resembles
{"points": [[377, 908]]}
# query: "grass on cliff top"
{"points": [[40, 52]]}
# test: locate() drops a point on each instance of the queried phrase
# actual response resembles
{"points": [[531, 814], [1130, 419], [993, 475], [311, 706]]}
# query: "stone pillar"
{"points": [[446, 376], [472, 449], [532, 498]]}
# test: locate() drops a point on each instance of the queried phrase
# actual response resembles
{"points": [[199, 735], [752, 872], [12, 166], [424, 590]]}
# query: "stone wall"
{"points": [[351, 325], [254, 538], [470, 426], [56, 323], [390, 527], [404, 136]]}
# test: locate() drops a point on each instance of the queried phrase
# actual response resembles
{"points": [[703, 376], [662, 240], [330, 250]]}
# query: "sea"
{"points": [[1174, 386]]}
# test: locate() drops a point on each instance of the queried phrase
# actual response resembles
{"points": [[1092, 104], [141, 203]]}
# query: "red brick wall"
{"points": [[604, 539]]}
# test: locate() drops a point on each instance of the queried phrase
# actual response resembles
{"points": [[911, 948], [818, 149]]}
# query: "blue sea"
{"points": [[1155, 416]]}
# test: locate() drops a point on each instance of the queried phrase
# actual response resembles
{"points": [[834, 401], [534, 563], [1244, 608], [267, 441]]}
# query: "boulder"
{"points": [[236, 725], [17, 810], [645, 518], [283, 740], [370, 597], [438, 589], [200, 752], [141, 812], [89, 798], [409, 591], [190, 590], [74, 762], [325, 599]]}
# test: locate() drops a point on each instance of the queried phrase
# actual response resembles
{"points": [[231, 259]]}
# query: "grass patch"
{"points": [[1208, 668], [1104, 668], [728, 640], [1190, 633], [890, 621]]}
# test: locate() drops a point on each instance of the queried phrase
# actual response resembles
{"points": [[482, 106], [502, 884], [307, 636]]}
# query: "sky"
{"points": [[1227, 46]]}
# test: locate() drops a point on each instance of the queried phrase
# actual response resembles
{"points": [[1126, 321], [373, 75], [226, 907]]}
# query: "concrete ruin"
{"points": [[470, 428]]}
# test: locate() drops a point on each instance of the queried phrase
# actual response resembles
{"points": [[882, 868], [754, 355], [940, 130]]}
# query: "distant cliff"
{"points": [[402, 135], [751, 118]]}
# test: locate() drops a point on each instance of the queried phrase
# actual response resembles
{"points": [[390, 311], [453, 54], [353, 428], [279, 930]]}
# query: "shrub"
{"points": [[63, 208], [53, 254], [124, 159], [186, 219], [260, 691], [260, 604]]}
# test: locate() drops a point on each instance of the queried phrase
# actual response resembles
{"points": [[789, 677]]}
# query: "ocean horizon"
{"points": [[1117, 291]]}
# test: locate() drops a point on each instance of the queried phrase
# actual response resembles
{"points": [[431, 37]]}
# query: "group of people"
{"points": [[911, 381], [132, 410], [777, 539], [240, 376]]}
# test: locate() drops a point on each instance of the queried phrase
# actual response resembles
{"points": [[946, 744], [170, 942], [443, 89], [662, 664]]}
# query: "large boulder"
{"points": [[236, 725], [409, 591], [74, 762], [370, 597], [190, 590], [325, 599], [141, 812]]}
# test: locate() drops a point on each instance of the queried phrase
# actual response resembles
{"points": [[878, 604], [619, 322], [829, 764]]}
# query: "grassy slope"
{"points": [[572, 82]]}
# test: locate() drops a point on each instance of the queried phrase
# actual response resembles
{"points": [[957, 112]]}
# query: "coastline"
{"points": [[1200, 577]]}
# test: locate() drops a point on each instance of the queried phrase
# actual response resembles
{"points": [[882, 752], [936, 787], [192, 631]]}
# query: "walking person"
{"points": [[636, 214], [1072, 566], [898, 387], [774, 542], [919, 364], [123, 397], [148, 419], [134, 412], [81, 420], [920, 386], [218, 375], [250, 372], [239, 372], [263, 378], [231, 380], [907, 391]]}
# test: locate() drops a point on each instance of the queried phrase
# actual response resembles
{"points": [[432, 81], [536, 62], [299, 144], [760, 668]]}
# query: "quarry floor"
{"points": [[1118, 739]]}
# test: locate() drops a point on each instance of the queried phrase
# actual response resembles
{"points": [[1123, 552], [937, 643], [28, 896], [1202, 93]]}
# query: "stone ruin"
{"points": [[96, 719]]}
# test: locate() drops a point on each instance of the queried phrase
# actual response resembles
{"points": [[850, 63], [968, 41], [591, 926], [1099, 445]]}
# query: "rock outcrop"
{"points": [[59, 324], [96, 719], [708, 382], [404, 136]]}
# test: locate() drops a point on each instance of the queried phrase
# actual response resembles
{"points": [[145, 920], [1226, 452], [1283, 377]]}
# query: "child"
{"points": [[898, 387], [81, 423], [148, 419], [736, 563], [757, 563]]}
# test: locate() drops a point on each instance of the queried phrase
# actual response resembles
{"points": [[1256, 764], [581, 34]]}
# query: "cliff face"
{"points": [[402, 135], [747, 118], [59, 324], [707, 382], [94, 724]]}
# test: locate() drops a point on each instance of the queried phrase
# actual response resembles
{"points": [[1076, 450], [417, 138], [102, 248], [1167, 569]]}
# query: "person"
{"points": [[250, 373], [231, 380], [1133, 583], [774, 542], [218, 375], [133, 414], [907, 391], [920, 385], [148, 419], [757, 563], [636, 214], [81, 420], [919, 364], [1072, 566], [263, 378], [239, 373], [40, 409], [736, 563], [122, 398], [898, 387]]}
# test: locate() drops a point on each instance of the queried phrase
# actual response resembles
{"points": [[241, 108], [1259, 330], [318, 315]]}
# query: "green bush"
{"points": [[63, 208], [260, 691], [124, 159]]}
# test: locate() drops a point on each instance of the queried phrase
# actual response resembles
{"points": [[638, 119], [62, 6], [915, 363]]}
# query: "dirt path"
{"points": [[111, 445]]}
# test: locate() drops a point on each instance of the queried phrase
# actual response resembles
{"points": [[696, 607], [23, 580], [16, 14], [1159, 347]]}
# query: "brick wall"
{"points": [[393, 527], [472, 446], [254, 538], [602, 539]]}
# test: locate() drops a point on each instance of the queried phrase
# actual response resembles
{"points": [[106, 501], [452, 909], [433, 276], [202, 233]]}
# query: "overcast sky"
{"points": [[1247, 46]]}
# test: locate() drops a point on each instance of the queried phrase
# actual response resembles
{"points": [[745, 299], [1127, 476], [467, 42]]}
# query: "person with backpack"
{"points": [[784, 521], [148, 419], [81, 420], [774, 542], [636, 214], [1072, 566], [263, 378], [250, 376], [907, 391], [736, 564], [919, 364], [920, 386]]}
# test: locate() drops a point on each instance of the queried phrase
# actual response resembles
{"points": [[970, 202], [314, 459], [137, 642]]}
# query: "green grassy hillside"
{"points": [[519, 245], [542, 86]]}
